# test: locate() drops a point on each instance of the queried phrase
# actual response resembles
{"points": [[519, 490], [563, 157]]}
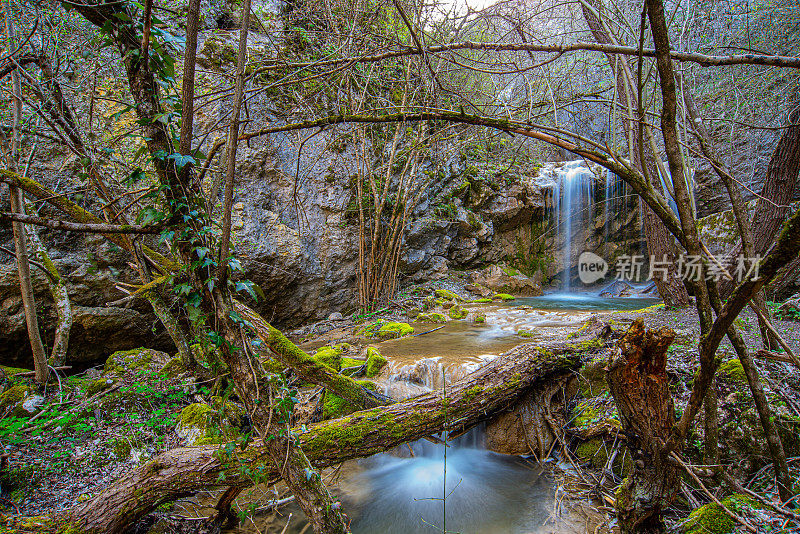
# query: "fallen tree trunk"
{"points": [[185, 471]]}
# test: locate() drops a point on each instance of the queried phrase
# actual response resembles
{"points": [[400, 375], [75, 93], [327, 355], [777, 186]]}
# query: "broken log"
{"points": [[637, 378], [182, 472]]}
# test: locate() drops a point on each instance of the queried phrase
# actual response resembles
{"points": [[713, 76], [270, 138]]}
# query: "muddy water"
{"points": [[486, 493]]}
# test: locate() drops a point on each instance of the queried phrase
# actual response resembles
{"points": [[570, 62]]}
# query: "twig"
{"points": [[775, 333], [33, 373], [429, 331]]}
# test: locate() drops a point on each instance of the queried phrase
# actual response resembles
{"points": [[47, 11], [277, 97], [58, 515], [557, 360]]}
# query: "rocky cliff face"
{"points": [[294, 227]]}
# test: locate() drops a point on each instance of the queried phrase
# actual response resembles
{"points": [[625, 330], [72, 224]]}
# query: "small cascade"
{"points": [[406, 380], [573, 197], [614, 198]]}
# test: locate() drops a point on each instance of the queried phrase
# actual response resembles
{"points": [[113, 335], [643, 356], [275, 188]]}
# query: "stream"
{"points": [[402, 491]]}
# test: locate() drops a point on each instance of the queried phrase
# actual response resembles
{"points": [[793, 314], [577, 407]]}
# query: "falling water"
{"points": [[574, 193]]}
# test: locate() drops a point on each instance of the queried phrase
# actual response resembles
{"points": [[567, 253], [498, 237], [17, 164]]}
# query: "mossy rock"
{"points": [[457, 312], [505, 297], [445, 294], [711, 519], [479, 318], [432, 317], [136, 361], [13, 397], [394, 330], [123, 446], [173, 368], [481, 301], [330, 356], [13, 371], [733, 371], [215, 53], [385, 330], [525, 333], [334, 406], [375, 362], [96, 386]]}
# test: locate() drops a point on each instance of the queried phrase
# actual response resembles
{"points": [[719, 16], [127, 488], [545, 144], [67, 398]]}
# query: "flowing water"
{"points": [[486, 493], [573, 198]]}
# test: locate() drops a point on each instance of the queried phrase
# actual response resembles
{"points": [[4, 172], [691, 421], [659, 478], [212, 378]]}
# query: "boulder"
{"points": [[504, 279]]}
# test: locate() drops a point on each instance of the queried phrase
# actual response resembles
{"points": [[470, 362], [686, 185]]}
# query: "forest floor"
{"points": [[90, 429]]}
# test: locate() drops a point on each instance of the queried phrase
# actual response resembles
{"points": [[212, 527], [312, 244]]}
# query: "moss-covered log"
{"points": [[185, 471], [307, 367]]}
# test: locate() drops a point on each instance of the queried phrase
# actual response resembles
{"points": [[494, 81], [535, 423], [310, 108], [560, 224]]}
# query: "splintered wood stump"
{"points": [[637, 378], [182, 472]]}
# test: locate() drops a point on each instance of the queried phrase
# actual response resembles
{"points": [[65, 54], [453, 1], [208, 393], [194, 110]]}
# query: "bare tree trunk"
{"points": [[18, 206], [58, 289], [637, 378]]}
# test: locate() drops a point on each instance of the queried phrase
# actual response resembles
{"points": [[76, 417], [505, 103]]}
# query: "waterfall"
{"points": [[614, 204], [574, 195]]}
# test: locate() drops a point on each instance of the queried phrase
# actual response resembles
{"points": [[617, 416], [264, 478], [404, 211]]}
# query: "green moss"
{"points": [[394, 330], [330, 356], [96, 386], [13, 396], [585, 415], [431, 318], [134, 360], [173, 368], [375, 362], [479, 318], [525, 333], [711, 519], [593, 379], [472, 392], [201, 424], [481, 301], [349, 363], [510, 271], [596, 452], [273, 366], [334, 406], [505, 297], [12, 371], [448, 295], [732, 370], [195, 415], [457, 312]]}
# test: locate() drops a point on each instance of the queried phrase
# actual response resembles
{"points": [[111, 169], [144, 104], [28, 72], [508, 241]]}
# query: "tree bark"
{"points": [[637, 378], [776, 195], [58, 289], [183, 472]]}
